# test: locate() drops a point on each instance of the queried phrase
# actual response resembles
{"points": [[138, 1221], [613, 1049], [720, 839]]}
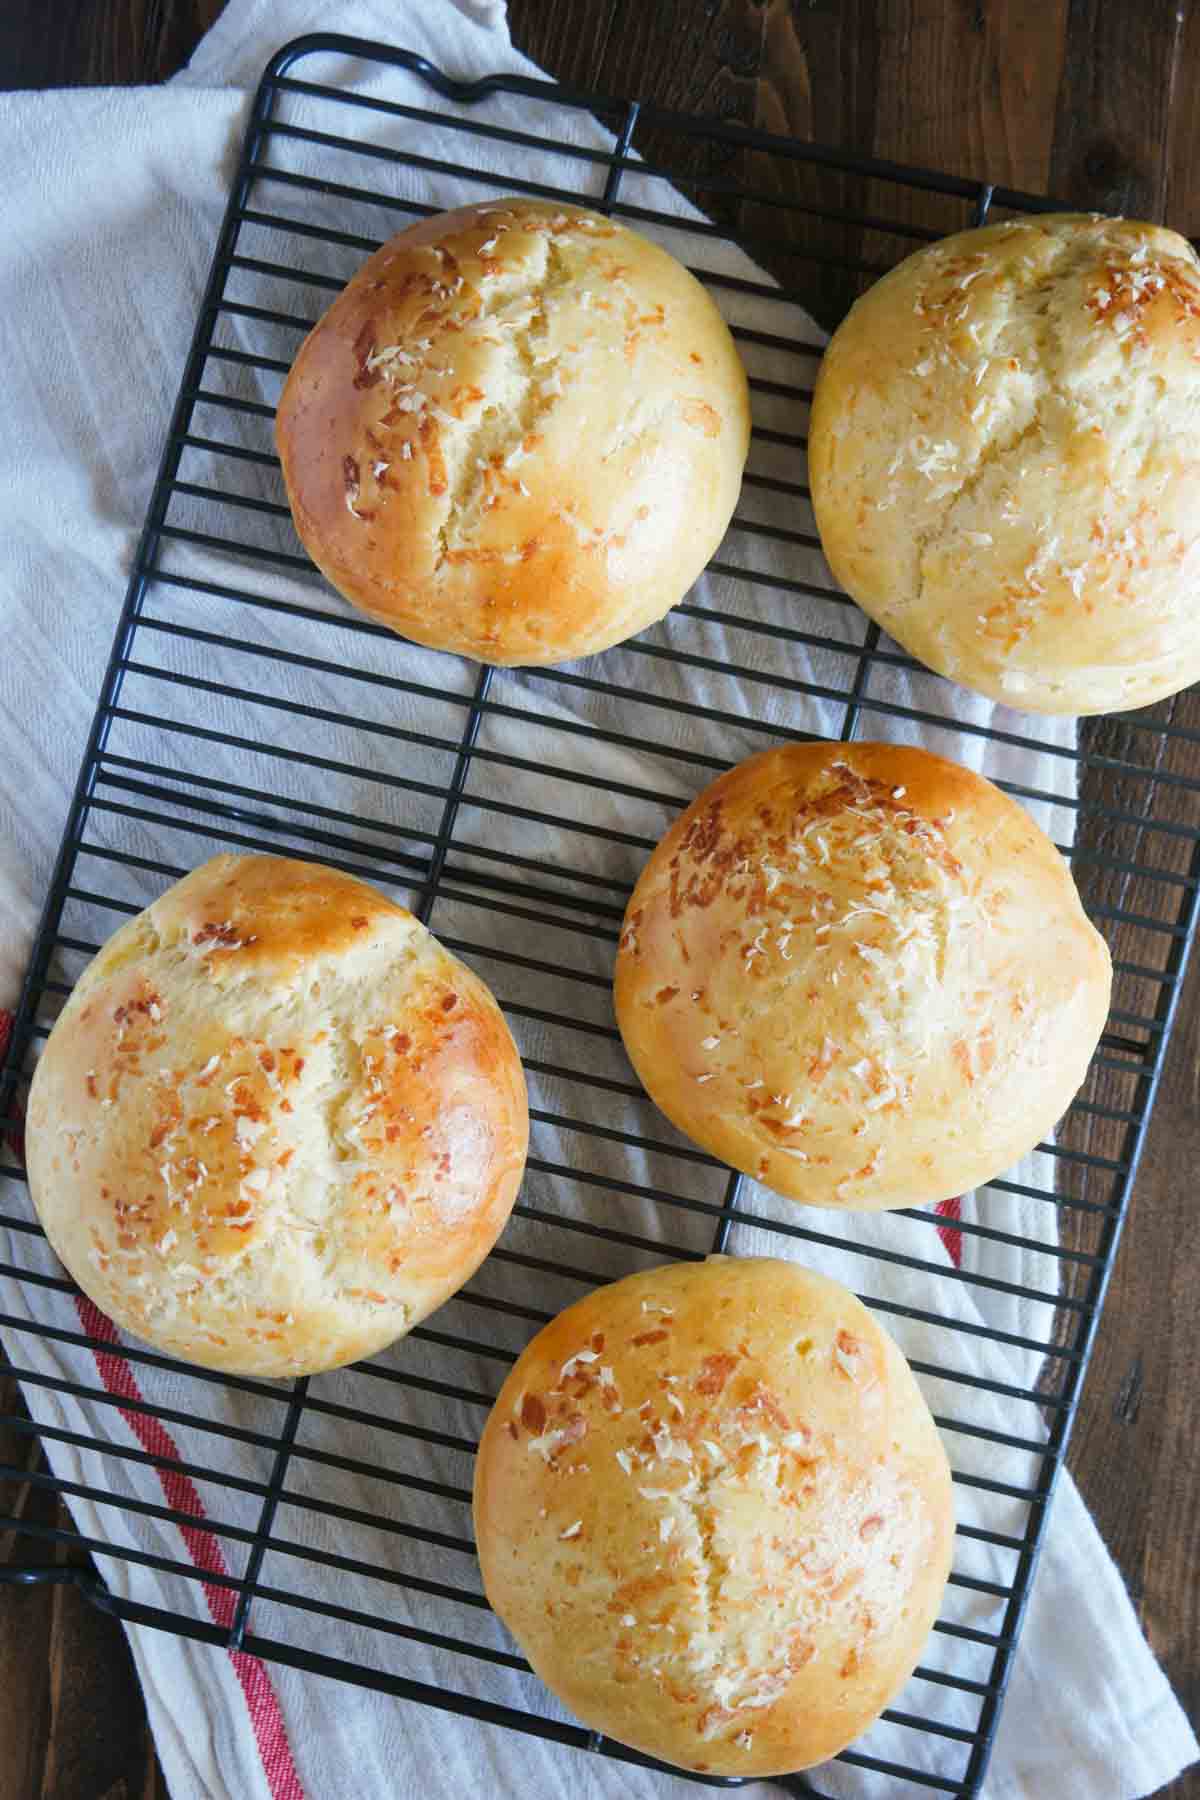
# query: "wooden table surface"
{"points": [[1098, 104]]}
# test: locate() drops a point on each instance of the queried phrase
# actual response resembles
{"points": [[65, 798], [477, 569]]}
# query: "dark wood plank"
{"points": [[843, 76], [1183, 131], [1121, 143], [1111, 132], [572, 40], [1134, 1451], [819, 82], [970, 89], [24, 1629], [691, 55], [24, 1682], [73, 1721], [685, 56], [97, 1743], [97, 43]]}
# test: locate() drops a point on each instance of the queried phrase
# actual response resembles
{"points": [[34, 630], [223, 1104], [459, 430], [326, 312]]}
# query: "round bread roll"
{"points": [[518, 433], [712, 1508], [860, 974], [1004, 455], [276, 1124]]}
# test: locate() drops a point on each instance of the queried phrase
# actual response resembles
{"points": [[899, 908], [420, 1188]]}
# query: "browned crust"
{"points": [[1003, 455], [518, 433], [712, 1507], [861, 974], [276, 1123]]}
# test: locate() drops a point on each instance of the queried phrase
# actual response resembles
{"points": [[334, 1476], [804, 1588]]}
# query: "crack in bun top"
{"points": [[712, 1507], [276, 1123], [861, 974], [1004, 451], [517, 434]]}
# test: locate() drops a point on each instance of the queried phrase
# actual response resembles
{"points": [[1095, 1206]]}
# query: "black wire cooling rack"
{"points": [[244, 706]]}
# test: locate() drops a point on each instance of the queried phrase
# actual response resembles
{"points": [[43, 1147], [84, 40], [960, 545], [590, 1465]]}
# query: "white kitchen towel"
{"points": [[113, 204]]}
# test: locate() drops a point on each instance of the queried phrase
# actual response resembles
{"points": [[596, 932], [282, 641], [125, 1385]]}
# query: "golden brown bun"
{"points": [[712, 1508], [860, 974], [1005, 455], [518, 433], [276, 1123]]}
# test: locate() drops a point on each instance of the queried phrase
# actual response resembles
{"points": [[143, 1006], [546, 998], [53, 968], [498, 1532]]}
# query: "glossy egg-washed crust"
{"points": [[861, 974], [1004, 454], [276, 1123], [518, 433], [713, 1509]]}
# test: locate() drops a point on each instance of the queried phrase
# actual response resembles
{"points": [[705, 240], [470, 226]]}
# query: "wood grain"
{"points": [[72, 1719], [1120, 79], [97, 43], [1134, 1451], [1183, 131], [1120, 143], [688, 56], [1096, 103], [988, 79]]}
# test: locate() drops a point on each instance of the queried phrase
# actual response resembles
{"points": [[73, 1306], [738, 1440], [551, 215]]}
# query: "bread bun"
{"points": [[276, 1123], [860, 974], [712, 1508], [518, 433], [1003, 453]]}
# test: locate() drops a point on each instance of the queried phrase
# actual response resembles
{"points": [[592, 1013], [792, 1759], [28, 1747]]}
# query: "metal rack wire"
{"points": [[241, 701]]}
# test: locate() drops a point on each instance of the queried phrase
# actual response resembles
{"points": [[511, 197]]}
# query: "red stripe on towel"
{"points": [[950, 1209], [11, 1137], [204, 1548]]}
